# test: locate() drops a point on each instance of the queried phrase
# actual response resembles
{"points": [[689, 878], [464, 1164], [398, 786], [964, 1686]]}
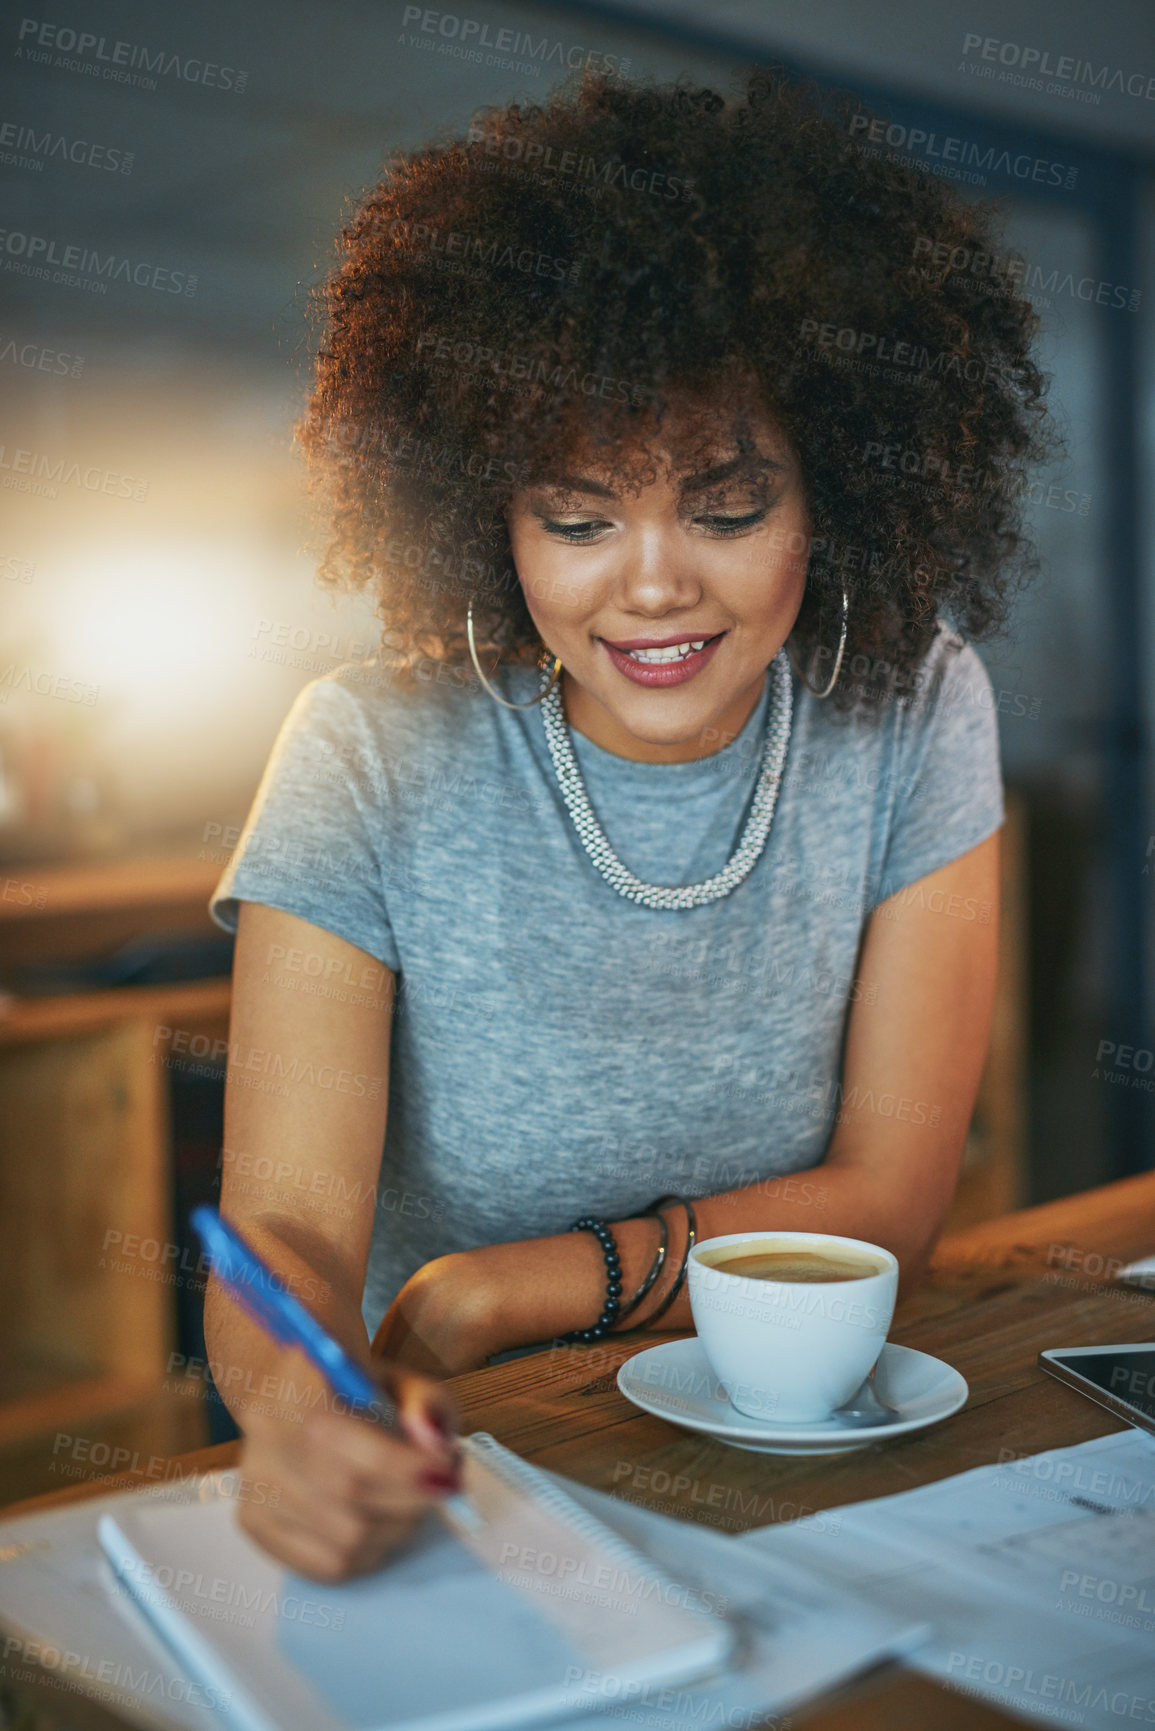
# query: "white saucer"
{"points": [[675, 1382]]}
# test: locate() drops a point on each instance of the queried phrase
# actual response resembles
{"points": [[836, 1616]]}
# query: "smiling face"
{"points": [[667, 600]]}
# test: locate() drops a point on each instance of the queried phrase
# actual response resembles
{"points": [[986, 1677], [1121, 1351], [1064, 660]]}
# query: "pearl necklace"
{"points": [[757, 827]]}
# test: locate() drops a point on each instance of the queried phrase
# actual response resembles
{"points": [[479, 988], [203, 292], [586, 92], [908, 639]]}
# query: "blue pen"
{"points": [[263, 1295]]}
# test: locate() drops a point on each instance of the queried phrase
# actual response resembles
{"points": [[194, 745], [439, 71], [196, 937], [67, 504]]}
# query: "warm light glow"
{"points": [[150, 623]]}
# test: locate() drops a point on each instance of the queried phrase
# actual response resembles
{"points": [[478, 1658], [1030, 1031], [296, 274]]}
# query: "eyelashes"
{"points": [[589, 528], [735, 525]]}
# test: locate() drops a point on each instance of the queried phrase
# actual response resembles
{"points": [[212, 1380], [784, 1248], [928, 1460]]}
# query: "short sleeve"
{"points": [[311, 842], [950, 787]]}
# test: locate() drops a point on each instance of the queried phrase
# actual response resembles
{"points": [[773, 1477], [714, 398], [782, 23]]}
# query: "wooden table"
{"points": [[995, 1295]]}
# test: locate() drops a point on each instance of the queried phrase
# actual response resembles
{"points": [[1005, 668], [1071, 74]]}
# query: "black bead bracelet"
{"points": [[609, 1315]]}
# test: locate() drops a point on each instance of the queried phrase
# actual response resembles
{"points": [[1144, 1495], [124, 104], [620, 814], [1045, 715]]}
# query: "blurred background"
{"points": [[172, 182]]}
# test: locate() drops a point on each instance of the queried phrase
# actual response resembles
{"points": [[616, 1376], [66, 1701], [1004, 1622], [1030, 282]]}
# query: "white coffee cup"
{"points": [[791, 1351]]}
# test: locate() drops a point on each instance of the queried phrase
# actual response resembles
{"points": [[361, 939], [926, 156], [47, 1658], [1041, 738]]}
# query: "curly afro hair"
{"points": [[573, 274]]}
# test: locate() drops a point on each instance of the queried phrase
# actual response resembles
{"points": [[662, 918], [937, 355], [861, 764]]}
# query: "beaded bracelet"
{"points": [[609, 1315], [656, 1266]]}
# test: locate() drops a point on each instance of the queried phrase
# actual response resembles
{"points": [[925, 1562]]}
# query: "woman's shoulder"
{"points": [[936, 725], [375, 704], [945, 738], [950, 674], [950, 665], [953, 695]]}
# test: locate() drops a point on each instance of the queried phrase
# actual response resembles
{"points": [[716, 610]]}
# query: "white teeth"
{"points": [[673, 652]]}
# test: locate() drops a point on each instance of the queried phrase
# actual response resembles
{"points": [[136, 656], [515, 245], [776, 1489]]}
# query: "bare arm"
{"points": [[305, 1110], [916, 1043]]}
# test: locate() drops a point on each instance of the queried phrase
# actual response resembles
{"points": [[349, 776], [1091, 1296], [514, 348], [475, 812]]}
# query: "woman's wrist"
{"points": [[656, 1307], [543, 1288], [463, 1308], [639, 1239]]}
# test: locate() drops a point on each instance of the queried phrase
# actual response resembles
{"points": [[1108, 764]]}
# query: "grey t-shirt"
{"points": [[558, 1050]]}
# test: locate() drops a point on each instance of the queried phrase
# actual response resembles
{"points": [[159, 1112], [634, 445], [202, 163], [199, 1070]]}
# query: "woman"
{"points": [[648, 885]]}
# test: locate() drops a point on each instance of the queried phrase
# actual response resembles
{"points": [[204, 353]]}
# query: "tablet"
{"points": [[1121, 1378]]}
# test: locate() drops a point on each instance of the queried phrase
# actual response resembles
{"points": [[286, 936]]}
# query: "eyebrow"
{"points": [[714, 477]]}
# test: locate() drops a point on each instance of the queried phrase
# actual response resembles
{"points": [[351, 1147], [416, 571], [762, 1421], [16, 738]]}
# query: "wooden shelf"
{"points": [[47, 1398], [26, 1376], [81, 1429], [131, 886], [49, 913], [29, 1020], [88, 1318]]}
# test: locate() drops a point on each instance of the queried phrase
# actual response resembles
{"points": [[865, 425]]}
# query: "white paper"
{"points": [[1038, 1576], [804, 1636]]}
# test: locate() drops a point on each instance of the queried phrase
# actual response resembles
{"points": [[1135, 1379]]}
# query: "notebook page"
{"points": [[624, 1613], [451, 1637], [432, 1642], [57, 1587]]}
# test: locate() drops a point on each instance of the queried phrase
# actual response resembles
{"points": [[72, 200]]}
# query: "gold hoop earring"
{"points": [[543, 662], [832, 681]]}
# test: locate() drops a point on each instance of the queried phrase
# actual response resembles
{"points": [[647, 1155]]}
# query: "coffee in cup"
{"points": [[808, 1267], [791, 1322]]}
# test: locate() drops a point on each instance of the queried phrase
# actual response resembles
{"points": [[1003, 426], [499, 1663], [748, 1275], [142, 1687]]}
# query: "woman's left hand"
{"points": [[458, 1310]]}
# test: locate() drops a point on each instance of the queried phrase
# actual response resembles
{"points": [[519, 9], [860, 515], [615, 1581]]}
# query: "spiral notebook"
{"points": [[537, 1611]]}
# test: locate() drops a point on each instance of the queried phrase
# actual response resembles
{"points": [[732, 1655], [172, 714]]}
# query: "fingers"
{"points": [[326, 1527], [324, 1556], [376, 1475], [348, 1491], [426, 1409]]}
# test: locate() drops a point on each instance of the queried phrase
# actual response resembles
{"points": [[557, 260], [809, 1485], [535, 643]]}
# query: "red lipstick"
{"points": [[661, 673]]}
